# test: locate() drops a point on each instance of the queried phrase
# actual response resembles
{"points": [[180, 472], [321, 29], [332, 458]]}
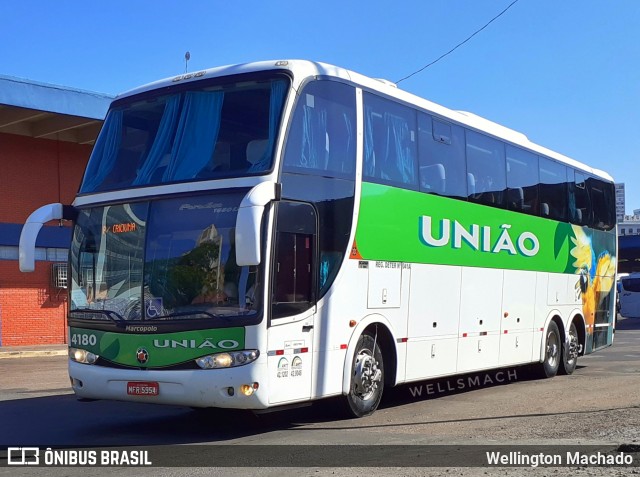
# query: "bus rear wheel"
{"points": [[570, 351], [367, 378], [553, 352]]}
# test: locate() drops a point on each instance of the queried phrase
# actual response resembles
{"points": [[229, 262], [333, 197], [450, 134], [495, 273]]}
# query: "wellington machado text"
{"points": [[522, 459]]}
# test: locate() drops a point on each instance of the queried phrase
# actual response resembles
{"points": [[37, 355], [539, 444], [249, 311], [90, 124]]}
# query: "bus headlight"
{"points": [[229, 359], [82, 356]]}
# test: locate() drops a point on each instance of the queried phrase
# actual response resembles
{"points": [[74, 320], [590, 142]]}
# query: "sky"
{"points": [[564, 72]]}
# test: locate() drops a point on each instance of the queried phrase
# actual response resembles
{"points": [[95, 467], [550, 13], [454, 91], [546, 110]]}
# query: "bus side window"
{"points": [[486, 161], [552, 189], [441, 155], [322, 135], [603, 202], [390, 143], [522, 180], [579, 201]]}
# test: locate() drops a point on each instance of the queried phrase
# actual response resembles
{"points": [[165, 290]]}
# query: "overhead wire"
{"points": [[461, 43]]}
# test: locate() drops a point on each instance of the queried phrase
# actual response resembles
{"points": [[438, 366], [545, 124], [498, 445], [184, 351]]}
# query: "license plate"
{"points": [[143, 388]]}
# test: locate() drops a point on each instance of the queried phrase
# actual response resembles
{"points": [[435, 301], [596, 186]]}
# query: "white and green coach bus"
{"points": [[273, 233]]}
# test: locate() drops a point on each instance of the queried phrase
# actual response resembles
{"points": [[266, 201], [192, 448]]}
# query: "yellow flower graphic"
{"points": [[582, 251]]}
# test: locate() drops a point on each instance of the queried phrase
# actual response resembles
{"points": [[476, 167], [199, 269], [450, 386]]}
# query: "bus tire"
{"points": [[570, 352], [367, 378], [552, 352]]}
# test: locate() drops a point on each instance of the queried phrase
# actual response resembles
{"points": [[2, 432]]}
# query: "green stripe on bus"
{"points": [[156, 350], [407, 226]]}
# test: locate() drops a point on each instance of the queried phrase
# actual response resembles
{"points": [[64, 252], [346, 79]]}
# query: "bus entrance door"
{"points": [[293, 309]]}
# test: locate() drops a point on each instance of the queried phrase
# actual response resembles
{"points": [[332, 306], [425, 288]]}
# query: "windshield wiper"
{"points": [[187, 313], [112, 315]]}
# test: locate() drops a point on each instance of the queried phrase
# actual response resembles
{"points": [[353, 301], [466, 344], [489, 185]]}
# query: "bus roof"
{"points": [[302, 69]]}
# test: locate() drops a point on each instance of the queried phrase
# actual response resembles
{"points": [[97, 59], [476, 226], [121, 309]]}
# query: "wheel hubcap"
{"points": [[553, 347], [367, 375], [573, 347]]}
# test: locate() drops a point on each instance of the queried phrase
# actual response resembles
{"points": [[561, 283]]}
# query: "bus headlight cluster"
{"points": [[230, 359], [82, 356]]}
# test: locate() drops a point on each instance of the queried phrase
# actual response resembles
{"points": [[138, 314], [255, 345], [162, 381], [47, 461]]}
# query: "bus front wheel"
{"points": [[553, 352], [367, 377]]}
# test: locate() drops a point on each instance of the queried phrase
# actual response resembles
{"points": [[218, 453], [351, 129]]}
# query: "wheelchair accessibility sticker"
{"points": [[153, 307]]}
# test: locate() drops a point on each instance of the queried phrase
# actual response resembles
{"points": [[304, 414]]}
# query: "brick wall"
{"points": [[34, 172], [31, 312]]}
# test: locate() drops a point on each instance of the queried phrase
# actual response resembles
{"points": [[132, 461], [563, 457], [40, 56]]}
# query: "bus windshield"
{"points": [[166, 259], [214, 131]]}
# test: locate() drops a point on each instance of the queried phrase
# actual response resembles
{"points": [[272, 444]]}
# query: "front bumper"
{"points": [[195, 388]]}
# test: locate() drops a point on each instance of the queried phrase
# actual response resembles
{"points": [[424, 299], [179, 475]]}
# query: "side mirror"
{"points": [[30, 231], [249, 222]]}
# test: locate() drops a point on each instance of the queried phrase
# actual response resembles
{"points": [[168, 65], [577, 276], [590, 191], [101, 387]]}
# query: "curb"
{"points": [[32, 353]]}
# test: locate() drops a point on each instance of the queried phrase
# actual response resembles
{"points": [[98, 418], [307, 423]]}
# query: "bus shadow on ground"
{"points": [[57, 421], [458, 384], [62, 420]]}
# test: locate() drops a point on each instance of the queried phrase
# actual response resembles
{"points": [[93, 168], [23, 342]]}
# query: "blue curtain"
{"points": [[324, 271], [314, 152], [398, 154], [105, 153], [369, 153], [196, 135], [348, 163], [161, 142], [307, 153], [276, 103]]}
